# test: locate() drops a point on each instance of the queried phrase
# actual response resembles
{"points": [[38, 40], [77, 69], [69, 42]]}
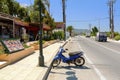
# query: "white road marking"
{"points": [[117, 52], [96, 70], [109, 48], [94, 67]]}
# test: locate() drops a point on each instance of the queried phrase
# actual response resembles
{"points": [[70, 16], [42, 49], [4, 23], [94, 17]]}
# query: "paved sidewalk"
{"points": [[112, 40], [27, 68]]}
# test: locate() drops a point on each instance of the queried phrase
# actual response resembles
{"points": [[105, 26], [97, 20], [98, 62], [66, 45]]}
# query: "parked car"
{"points": [[101, 36], [87, 34]]}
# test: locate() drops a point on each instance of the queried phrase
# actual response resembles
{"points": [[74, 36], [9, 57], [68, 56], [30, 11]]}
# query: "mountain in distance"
{"points": [[80, 31]]}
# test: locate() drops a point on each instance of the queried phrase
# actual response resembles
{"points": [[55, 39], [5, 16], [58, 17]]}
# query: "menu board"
{"points": [[12, 45]]}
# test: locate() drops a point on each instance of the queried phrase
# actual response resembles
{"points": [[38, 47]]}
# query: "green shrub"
{"points": [[1, 49], [116, 33], [83, 34], [25, 46], [58, 35], [117, 37], [108, 34], [43, 41]]}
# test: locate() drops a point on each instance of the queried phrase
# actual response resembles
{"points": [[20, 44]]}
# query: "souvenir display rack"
{"points": [[12, 45]]}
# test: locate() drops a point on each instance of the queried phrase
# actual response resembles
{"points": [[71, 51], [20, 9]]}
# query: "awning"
{"points": [[60, 25], [45, 26], [21, 23], [5, 18], [31, 26]]}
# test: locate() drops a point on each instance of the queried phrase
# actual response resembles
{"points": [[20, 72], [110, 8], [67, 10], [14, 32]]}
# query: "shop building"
{"points": [[11, 27]]}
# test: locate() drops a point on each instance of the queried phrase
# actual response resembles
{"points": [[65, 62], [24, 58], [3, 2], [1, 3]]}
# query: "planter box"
{"points": [[11, 58], [36, 46], [3, 64]]}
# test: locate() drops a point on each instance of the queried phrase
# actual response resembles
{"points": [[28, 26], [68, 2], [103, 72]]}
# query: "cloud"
{"points": [[24, 5]]}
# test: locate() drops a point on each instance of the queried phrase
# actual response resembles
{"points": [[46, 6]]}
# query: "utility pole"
{"points": [[99, 25], [64, 18], [90, 27], [110, 4]]}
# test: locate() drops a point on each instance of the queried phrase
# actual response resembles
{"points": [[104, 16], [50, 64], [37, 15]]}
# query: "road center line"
{"points": [[94, 67]]}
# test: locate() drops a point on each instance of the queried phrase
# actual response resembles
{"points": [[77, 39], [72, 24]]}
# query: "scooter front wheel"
{"points": [[79, 61], [56, 62]]}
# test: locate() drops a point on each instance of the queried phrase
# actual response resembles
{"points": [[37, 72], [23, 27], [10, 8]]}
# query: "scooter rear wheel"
{"points": [[79, 61], [56, 62]]}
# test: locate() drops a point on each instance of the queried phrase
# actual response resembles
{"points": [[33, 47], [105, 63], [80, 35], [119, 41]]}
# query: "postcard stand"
{"points": [[12, 45]]}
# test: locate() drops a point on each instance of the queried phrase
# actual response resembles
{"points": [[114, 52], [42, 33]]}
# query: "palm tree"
{"points": [[94, 30], [44, 12], [47, 3], [70, 29]]}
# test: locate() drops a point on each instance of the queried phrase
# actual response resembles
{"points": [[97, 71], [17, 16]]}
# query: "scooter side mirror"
{"points": [[66, 49]]}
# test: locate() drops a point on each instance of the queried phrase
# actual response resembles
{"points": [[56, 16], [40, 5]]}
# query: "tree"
{"points": [[94, 30], [35, 16], [16, 7], [3, 6], [10, 5], [46, 18], [70, 29], [13, 8], [28, 14], [22, 13]]}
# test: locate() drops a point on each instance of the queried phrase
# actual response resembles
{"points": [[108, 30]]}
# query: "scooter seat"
{"points": [[74, 53]]}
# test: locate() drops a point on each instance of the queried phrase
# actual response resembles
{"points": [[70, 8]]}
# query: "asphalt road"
{"points": [[102, 61]]}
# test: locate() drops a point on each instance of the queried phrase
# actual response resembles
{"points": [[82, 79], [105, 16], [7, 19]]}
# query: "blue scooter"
{"points": [[74, 58]]}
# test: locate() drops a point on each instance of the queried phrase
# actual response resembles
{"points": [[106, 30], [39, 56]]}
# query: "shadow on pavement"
{"points": [[69, 72], [69, 67], [71, 76]]}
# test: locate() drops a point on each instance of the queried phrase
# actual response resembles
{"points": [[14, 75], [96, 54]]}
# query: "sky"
{"points": [[81, 14]]}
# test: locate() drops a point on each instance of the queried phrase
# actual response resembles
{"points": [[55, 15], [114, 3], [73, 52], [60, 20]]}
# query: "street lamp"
{"points": [[41, 57], [64, 18]]}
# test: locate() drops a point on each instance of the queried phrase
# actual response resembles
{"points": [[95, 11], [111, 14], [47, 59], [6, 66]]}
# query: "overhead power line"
{"points": [[88, 20]]}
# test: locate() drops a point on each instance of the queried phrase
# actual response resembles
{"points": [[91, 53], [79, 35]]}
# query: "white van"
{"points": [[101, 36]]}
